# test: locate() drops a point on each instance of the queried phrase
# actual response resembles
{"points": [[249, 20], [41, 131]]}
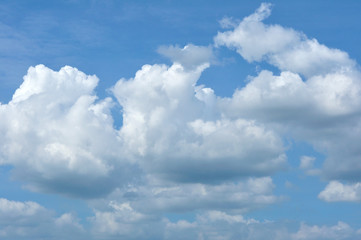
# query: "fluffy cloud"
{"points": [[29, 220], [285, 48], [316, 97], [57, 136], [337, 192], [220, 225], [176, 131], [139, 211], [60, 138], [156, 196], [190, 56], [121, 220], [339, 231], [181, 148]]}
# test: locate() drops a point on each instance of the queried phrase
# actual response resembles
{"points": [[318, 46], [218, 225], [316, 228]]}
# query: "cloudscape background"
{"points": [[180, 120]]}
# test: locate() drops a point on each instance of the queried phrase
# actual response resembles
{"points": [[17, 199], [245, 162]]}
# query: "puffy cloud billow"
{"points": [[181, 148], [173, 128], [58, 137], [316, 97], [337, 192], [29, 220]]}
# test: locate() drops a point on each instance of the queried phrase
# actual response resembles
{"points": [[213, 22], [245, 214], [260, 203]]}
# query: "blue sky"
{"points": [[180, 120]]}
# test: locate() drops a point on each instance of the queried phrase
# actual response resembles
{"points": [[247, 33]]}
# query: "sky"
{"points": [[180, 119]]}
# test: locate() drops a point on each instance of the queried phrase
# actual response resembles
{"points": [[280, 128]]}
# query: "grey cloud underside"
{"points": [[158, 196]]}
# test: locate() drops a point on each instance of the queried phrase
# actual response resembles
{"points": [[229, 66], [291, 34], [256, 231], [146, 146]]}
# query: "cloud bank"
{"points": [[180, 147], [29, 220], [316, 97]]}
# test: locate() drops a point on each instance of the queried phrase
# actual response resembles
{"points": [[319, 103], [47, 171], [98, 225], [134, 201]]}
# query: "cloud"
{"points": [[57, 136], [261, 13], [306, 162], [228, 22], [220, 225], [316, 97], [321, 111], [338, 192], [121, 220], [189, 56], [60, 138], [156, 196], [20, 220], [180, 148], [284, 48], [339, 231], [29, 220], [174, 129]]}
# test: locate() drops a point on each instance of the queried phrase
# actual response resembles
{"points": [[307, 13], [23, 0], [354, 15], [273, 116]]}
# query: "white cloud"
{"points": [[307, 162], [20, 220], [261, 13], [13, 209], [214, 216], [157, 196], [338, 192], [339, 231], [190, 56], [29, 220], [121, 220], [61, 139], [175, 128], [228, 22], [57, 136], [320, 110], [283, 47], [316, 98], [220, 225], [189, 150]]}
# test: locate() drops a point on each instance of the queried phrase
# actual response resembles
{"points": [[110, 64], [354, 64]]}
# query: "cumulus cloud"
{"points": [[180, 147], [121, 220], [220, 225], [138, 211], [338, 192], [189, 56], [60, 138], [175, 129], [155, 196], [321, 110], [285, 48], [339, 231], [316, 97], [57, 136], [29, 220]]}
